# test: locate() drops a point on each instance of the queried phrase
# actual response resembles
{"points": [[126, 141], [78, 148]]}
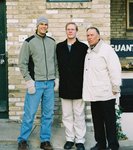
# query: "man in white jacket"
{"points": [[102, 81]]}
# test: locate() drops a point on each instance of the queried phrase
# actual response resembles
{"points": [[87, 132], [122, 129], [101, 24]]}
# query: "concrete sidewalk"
{"points": [[9, 132]]}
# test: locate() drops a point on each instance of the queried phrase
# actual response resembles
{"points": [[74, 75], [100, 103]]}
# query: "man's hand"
{"points": [[56, 84], [116, 89], [31, 86], [114, 93]]}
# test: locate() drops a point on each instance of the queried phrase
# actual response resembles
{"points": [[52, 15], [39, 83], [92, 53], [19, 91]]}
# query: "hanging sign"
{"points": [[124, 48]]}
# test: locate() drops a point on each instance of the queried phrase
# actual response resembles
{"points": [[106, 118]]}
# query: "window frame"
{"points": [[128, 15], [61, 1]]}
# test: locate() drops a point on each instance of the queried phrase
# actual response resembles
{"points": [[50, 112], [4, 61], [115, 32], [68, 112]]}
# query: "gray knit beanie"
{"points": [[41, 20]]}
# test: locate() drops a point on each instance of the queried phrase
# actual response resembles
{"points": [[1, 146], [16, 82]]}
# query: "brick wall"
{"points": [[21, 20], [119, 19]]}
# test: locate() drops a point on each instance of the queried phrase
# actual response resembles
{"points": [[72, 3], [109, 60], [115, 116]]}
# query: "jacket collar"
{"points": [[40, 36], [73, 43], [97, 47]]}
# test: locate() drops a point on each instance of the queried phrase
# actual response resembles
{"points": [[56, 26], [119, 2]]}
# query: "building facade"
{"points": [[18, 21]]}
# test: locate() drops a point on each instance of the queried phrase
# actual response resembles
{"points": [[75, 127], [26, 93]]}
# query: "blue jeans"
{"points": [[45, 95]]}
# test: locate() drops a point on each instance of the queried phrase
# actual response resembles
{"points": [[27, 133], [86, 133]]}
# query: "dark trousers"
{"points": [[104, 121]]}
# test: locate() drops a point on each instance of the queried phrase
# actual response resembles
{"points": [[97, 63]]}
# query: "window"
{"points": [[129, 14], [68, 0], [72, 4]]}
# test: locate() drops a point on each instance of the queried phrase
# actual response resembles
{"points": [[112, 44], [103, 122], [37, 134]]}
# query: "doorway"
{"points": [[3, 63]]}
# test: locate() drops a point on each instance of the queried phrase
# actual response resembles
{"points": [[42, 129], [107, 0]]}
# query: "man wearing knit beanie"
{"points": [[42, 26], [37, 62], [42, 19]]}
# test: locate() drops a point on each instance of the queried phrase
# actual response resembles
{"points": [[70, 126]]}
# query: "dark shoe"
{"points": [[96, 147], [22, 145], [46, 145], [80, 146], [68, 145]]}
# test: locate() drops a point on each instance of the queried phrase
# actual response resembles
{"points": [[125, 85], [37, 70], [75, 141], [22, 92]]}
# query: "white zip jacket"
{"points": [[102, 73]]}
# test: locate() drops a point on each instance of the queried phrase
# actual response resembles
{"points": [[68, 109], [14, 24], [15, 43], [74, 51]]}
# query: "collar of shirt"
{"points": [[96, 48]]}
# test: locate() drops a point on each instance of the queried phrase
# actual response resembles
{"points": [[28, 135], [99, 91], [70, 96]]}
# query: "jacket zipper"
{"points": [[45, 59]]}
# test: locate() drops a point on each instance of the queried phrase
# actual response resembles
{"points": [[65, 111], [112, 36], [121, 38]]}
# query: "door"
{"points": [[3, 63]]}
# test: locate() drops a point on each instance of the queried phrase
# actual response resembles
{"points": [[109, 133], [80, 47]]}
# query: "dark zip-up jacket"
{"points": [[71, 66], [37, 59]]}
